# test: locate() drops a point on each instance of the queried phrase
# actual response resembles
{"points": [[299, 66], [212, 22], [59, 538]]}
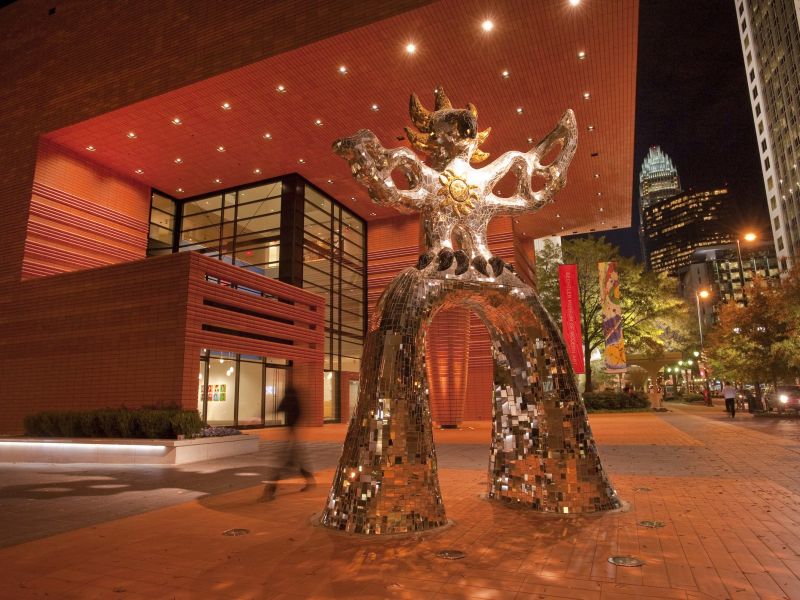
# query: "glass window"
{"points": [[221, 389], [202, 205], [251, 372], [162, 225]]}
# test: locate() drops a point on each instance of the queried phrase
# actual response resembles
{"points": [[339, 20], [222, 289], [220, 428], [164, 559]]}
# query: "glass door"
{"points": [[274, 388]]}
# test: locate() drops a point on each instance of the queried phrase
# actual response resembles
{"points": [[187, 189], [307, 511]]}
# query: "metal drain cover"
{"points": [[626, 561], [236, 532], [653, 524], [451, 554], [642, 489]]}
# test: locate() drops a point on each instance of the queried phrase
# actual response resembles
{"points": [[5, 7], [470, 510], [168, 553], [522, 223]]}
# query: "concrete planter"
{"points": [[124, 451]]}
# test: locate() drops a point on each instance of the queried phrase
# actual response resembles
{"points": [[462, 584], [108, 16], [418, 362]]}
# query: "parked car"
{"points": [[783, 398]]}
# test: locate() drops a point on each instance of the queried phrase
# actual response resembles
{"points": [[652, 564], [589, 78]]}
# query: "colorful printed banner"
{"points": [[571, 315], [612, 317]]}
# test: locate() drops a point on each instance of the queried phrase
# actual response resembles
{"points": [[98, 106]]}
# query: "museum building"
{"points": [[177, 230]]}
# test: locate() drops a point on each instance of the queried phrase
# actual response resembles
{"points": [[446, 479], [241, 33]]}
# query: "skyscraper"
{"points": [[658, 179], [674, 227], [770, 39]]}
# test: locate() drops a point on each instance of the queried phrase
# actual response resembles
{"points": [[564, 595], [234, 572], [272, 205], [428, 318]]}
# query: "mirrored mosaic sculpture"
{"points": [[542, 454]]}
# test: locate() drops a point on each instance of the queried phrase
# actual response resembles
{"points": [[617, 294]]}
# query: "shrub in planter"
{"points": [[154, 424], [614, 400], [692, 397], [126, 425], [186, 423]]}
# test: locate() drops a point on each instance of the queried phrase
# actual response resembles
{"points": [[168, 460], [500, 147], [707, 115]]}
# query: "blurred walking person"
{"points": [[295, 452], [729, 393]]}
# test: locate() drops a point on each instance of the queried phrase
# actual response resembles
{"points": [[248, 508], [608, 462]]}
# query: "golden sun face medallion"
{"points": [[456, 193]]}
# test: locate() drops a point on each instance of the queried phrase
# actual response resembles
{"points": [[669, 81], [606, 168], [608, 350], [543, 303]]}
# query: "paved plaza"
{"points": [[727, 493]]}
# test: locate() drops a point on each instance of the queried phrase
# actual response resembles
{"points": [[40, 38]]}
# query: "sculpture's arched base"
{"points": [[316, 521], [542, 452]]}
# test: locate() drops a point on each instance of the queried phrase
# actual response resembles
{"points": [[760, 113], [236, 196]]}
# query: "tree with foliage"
{"points": [[759, 342], [654, 317]]}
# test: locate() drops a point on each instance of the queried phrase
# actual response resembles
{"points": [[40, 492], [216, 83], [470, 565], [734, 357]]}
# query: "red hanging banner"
{"points": [[571, 315]]}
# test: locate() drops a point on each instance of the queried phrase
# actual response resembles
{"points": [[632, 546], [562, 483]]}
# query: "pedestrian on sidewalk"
{"points": [[295, 453], [729, 393]]}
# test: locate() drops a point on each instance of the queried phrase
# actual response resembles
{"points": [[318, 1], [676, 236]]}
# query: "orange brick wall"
{"points": [[82, 216], [131, 335]]}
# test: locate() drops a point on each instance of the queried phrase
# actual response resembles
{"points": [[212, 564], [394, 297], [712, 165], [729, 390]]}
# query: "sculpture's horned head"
{"points": [[446, 132]]}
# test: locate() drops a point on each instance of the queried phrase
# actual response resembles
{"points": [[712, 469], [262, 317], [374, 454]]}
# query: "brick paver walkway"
{"points": [[728, 493]]}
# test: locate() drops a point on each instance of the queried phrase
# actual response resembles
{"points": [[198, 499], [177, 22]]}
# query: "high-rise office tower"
{"points": [[658, 179], [676, 226], [770, 39]]}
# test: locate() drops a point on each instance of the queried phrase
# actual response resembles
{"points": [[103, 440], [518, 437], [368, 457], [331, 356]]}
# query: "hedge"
{"points": [[150, 423], [614, 400]]}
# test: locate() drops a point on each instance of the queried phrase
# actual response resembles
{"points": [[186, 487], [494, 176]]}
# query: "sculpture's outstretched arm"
{"points": [[527, 165], [372, 166]]}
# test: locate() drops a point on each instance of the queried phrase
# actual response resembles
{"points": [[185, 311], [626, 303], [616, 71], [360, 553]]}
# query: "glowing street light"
{"points": [[697, 296], [748, 237]]}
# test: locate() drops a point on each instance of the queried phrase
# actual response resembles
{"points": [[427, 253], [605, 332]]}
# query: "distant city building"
{"points": [[770, 39], [673, 228], [718, 270], [658, 179]]}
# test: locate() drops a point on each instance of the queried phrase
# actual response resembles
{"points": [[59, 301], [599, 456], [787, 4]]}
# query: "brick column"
{"points": [[447, 357]]}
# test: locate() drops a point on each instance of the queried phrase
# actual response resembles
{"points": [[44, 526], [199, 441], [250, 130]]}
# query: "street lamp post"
{"points": [[697, 295], [748, 237]]}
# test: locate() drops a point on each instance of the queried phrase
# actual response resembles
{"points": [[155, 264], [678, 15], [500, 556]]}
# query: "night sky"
{"points": [[692, 100]]}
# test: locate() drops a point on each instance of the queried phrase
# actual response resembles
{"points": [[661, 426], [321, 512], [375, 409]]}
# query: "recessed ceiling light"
{"points": [[597, 175], [411, 48], [330, 180], [343, 70], [91, 148], [218, 180], [602, 222], [599, 193], [220, 148], [318, 122], [487, 25], [375, 107], [226, 106], [581, 55], [373, 214], [257, 171], [131, 135], [586, 95], [505, 74], [353, 198], [179, 190], [176, 121], [138, 171], [519, 110], [601, 209], [178, 160], [574, 2], [558, 216], [280, 89], [267, 136], [530, 140], [301, 161], [590, 128]]}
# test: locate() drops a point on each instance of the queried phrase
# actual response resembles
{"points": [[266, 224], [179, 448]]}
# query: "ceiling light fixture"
{"points": [[574, 2], [267, 136], [226, 106], [411, 48], [590, 128], [601, 209], [343, 70], [179, 190], [558, 216], [178, 160], [318, 122], [519, 110], [302, 161], [597, 175], [375, 107], [131, 135], [487, 25], [599, 193], [581, 55], [257, 171], [330, 180], [138, 171], [91, 148], [220, 148], [586, 95], [373, 214], [281, 89], [218, 180], [176, 121], [530, 140], [505, 74]]}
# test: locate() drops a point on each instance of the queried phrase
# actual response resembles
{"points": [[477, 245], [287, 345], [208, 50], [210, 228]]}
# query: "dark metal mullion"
{"points": [[237, 365], [263, 391], [206, 368]]}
